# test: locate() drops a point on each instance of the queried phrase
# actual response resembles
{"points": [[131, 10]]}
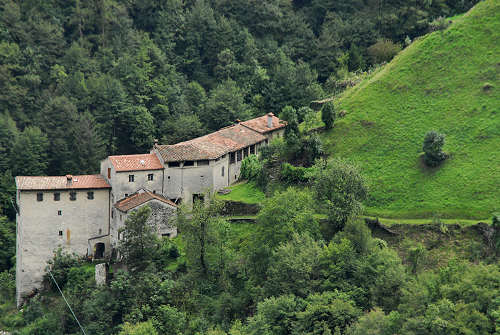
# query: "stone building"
{"points": [[83, 214]]}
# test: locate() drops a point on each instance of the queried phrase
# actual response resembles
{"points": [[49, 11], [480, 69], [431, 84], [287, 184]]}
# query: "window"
{"points": [[166, 235], [174, 164], [245, 152], [252, 149], [59, 212], [72, 196], [189, 163], [109, 173], [57, 196], [131, 178], [203, 162], [239, 155], [168, 177], [113, 213], [39, 196], [232, 157], [126, 195], [222, 172], [100, 231], [150, 176], [60, 232], [90, 195]]}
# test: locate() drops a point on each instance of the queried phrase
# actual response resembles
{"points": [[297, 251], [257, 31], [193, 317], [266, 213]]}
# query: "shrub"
{"points": [[60, 266], [251, 168], [296, 174], [433, 145], [439, 24], [383, 51], [328, 114]]}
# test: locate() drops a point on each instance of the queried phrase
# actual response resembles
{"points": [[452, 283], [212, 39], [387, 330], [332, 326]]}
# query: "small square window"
{"points": [[90, 195], [174, 164], [150, 176], [126, 195], [60, 232], [131, 178], [72, 196], [57, 196], [59, 212], [39, 196], [188, 163]]}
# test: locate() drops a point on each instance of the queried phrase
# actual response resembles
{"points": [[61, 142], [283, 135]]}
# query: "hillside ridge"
{"points": [[446, 81]]}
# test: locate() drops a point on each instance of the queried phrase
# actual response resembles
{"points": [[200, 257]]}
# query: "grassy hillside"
{"points": [[447, 81]]}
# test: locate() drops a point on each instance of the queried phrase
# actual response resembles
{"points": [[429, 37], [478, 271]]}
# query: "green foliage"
{"points": [[31, 150], [433, 148], [383, 51], [141, 328], [340, 188], [294, 266], [400, 102], [251, 168], [169, 321], [328, 115], [138, 242], [205, 237], [60, 266], [7, 243], [7, 286], [283, 215], [293, 175], [327, 312]]}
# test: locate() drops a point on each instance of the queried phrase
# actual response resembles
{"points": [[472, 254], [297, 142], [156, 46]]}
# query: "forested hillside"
{"points": [[80, 80], [449, 82]]}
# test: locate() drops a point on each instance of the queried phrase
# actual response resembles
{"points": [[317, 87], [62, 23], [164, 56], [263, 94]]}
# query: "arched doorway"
{"points": [[99, 250]]}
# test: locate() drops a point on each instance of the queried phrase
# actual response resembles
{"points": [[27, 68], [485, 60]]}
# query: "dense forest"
{"points": [[80, 80]]}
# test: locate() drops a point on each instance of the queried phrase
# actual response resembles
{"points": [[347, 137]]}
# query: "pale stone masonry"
{"points": [[84, 214]]}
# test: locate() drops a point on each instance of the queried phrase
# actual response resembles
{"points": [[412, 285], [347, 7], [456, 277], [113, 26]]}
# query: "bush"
{"points": [[60, 266], [328, 115], [295, 174], [251, 168], [439, 24], [383, 51], [433, 145]]}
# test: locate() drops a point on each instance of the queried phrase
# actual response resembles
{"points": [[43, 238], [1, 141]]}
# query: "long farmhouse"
{"points": [[84, 214]]}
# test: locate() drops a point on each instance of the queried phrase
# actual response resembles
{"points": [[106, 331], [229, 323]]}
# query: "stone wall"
{"points": [[41, 229]]}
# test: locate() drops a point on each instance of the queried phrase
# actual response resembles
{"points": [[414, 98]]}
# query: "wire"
{"points": [[66, 301]]}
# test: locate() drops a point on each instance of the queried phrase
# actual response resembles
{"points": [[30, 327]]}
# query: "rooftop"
{"points": [[135, 162], [61, 182], [260, 124], [211, 146], [140, 198]]}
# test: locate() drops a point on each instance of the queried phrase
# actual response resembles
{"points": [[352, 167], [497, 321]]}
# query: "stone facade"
{"points": [[83, 214], [46, 225]]}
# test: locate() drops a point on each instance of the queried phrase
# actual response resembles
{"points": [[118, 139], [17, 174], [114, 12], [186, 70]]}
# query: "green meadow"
{"points": [[448, 81]]}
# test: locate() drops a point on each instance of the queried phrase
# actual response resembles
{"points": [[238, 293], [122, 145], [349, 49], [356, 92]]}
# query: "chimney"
{"points": [[270, 120], [69, 179]]}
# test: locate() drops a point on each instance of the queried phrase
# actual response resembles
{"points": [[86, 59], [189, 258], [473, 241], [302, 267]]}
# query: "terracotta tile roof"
{"points": [[260, 124], [140, 198], [60, 182], [211, 146], [135, 162]]}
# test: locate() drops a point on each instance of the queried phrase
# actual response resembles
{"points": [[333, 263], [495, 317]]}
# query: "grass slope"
{"points": [[447, 81]]}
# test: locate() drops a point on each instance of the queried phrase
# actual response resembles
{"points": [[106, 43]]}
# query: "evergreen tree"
{"points": [[30, 153], [138, 242], [328, 115]]}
